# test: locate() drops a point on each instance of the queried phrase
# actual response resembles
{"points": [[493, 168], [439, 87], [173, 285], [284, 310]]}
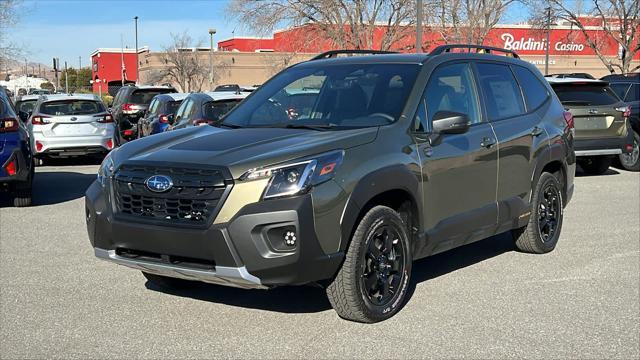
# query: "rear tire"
{"points": [[167, 282], [631, 161], [542, 232], [596, 165], [372, 283]]}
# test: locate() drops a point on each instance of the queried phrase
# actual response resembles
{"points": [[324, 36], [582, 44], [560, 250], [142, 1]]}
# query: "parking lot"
{"points": [[484, 300]]}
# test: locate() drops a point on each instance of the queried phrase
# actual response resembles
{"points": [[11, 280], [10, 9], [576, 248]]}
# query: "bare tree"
{"points": [[8, 18], [345, 23], [468, 21], [182, 64], [617, 18]]}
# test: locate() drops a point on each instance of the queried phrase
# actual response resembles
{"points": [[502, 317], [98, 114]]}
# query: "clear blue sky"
{"points": [[70, 28]]}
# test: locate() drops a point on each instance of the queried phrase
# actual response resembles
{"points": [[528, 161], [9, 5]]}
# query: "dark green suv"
{"points": [[391, 158]]}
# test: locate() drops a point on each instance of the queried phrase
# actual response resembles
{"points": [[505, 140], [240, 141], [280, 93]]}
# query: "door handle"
{"points": [[487, 142], [536, 131]]}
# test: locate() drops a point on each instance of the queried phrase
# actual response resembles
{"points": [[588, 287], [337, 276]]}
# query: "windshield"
{"points": [[71, 107], [26, 105], [587, 95], [329, 96], [172, 107]]}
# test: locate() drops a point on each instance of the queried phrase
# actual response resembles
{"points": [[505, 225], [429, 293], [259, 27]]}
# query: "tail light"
{"points": [[625, 110], [40, 120], [11, 167], [105, 119], [8, 125], [129, 108], [201, 122], [568, 117], [164, 119], [127, 133], [39, 146]]}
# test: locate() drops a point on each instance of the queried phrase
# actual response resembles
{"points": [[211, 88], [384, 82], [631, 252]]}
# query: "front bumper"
{"points": [[603, 146], [248, 251]]}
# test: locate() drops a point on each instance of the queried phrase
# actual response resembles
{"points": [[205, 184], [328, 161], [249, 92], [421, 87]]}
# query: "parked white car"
{"points": [[70, 125]]}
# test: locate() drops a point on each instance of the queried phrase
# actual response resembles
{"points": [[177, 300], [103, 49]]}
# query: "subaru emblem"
{"points": [[159, 183]]}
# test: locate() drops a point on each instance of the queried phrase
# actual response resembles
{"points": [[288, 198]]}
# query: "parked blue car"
{"points": [[160, 113], [16, 163]]}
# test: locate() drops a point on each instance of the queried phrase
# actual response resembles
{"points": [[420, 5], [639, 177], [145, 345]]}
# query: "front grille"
{"points": [[194, 199]]}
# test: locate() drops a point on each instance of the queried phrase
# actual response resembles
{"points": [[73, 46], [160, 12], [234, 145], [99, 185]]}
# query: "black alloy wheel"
{"points": [[548, 212], [383, 265]]}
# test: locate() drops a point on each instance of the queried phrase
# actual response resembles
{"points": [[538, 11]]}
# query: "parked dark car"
{"points": [[402, 156], [572, 75], [204, 108], [129, 105], [628, 89], [601, 121], [160, 114], [16, 163]]}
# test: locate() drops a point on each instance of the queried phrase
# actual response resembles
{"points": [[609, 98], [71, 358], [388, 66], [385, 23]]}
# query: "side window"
{"points": [[182, 109], [420, 123], [535, 94], [153, 106], [451, 88], [501, 91]]}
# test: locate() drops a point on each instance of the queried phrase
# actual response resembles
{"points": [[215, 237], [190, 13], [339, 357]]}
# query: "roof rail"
{"points": [[335, 53], [479, 49]]}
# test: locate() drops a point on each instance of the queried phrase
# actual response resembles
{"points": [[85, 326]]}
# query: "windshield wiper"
{"points": [[318, 127], [230, 126]]}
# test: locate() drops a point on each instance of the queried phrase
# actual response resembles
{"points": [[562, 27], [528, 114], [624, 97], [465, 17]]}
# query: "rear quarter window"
{"points": [[535, 93], [586, 95]]}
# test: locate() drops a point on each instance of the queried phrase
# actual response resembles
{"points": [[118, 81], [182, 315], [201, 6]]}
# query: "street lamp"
{"points": [[135, 18], [211, 32]]}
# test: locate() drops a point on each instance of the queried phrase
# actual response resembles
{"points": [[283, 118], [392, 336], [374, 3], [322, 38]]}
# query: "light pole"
{"points": [[135, 18], [211, 32], [546, 53]]}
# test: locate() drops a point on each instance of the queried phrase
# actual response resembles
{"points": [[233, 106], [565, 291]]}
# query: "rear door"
{"points": [[593, 105], [72, 118], [518, 129], [459, 170]]}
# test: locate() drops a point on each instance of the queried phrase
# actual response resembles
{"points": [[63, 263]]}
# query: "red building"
{"points": [[113, 67], [246, 44]]}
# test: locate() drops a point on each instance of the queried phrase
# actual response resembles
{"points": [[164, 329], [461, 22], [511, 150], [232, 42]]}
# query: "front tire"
{"points": [[596, 165], [631, 161], [545, 222], [372, 283]]}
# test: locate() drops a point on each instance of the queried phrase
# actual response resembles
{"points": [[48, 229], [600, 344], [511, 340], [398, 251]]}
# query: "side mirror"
{"points": [[450, 122]]}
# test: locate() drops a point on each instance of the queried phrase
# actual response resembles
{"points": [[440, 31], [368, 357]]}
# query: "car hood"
{"points": [[237, 149]]}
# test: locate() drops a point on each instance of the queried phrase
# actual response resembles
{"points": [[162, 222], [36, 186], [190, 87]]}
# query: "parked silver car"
{"points": [[70, 125]]}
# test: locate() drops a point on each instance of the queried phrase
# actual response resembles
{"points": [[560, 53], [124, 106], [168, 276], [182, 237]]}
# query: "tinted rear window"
{"points": [[585, 95], [172, 106], [215, 110], [144, 97], [620, 89], [634, 93], [26, 105], [535, 93], [71, 107]]}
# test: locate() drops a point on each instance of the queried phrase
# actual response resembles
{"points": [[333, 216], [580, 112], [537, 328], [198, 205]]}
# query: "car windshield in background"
{"points": [[144, 97], [71, 107], [214, 110], [587, 95], [172, 107], [26, 105], [329, 96]]}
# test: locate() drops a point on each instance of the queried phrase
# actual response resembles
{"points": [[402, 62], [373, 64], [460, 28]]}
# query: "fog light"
{"points": [[11, 168], [39, 146], [290, 238]]}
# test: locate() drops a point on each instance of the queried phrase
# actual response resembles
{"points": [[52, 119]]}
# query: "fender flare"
{"points": [[395, 177]]}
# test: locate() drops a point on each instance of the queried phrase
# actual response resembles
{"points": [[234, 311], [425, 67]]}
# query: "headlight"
{"points": [[106, 169], [296, 177]]}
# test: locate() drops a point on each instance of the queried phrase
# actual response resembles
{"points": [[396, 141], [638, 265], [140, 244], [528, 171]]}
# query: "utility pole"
{"points": [[211, 33], [56, 68], [122, 68], [66, 78], [419, 27], [546, 53], [135, 18], [78, 73]]}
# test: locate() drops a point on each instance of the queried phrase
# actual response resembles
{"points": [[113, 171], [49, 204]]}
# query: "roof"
{"points": [[559, 81], [152, 87], [28, 97], [226, 95], [174, 96], [119, 50], [377, 58], [54, 97]]}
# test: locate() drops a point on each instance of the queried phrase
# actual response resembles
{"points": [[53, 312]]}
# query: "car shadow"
{"points": [[54, 187], [312, 299], [610, 171]]}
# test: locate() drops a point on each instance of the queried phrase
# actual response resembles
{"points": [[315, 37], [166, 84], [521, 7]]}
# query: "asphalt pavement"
{"points": [[484, 300]]}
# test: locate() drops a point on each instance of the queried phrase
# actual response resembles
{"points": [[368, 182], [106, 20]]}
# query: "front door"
{"points": [[459, 170]]}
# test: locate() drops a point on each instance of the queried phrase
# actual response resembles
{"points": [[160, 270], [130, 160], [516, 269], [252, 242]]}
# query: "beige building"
{"points": [[252, 68]]}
